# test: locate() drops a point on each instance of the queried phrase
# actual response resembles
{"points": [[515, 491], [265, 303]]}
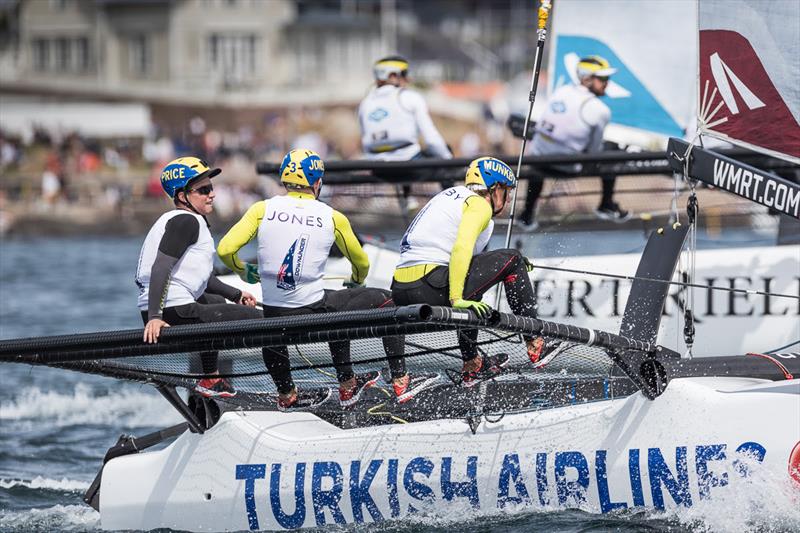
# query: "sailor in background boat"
{"points": [[573, 122], [442, 262], [393, 117], [175, 279], [295, 234]]}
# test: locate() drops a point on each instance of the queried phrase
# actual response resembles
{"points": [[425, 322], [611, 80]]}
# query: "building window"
{"points": [[233, 57], [41, 54], [81, 54], [139, 55], [62, 53]]}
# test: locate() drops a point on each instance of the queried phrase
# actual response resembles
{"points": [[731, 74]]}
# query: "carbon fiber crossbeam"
{"points": [[303, 329], [431, 170]]}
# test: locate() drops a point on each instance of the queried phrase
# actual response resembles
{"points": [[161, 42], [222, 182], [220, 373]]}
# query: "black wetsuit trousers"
{"points": [[276, 358], [485, 271], [207, 308], [535, 187]]}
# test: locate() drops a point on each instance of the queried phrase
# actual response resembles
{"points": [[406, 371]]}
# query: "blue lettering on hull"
{"points": [[375, 489]]}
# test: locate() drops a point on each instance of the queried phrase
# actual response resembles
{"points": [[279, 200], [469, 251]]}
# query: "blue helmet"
{"points": [[488, 172], [302, 167], [179, 172]]}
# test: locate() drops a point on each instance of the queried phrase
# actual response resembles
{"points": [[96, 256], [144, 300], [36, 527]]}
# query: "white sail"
{"points": [[652, 44]]}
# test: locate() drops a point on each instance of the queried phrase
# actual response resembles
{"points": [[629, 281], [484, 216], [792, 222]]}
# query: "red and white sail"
{"points": [[749, 63]]}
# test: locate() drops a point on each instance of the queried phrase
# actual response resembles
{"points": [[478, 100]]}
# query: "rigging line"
{"points": [[676, 192], [683, 284], [308, 361], [783, 347], [543, 14], [688, 327], [372, 412]]}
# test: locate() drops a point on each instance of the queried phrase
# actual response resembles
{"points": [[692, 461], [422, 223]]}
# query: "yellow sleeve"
{"points": [[476, 216], [239, 235], [348, 244]]}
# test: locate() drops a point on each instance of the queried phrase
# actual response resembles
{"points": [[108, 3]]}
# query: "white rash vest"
{"points": [[573, 121], [392, 119], [191, 273], [432, 234], [294, 240]]}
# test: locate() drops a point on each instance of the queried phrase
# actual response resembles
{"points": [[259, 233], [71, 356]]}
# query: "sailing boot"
{"points": [[350, 395], [215, 388], [409, 385], [490, 366], [542, 350], [303, 399], [612, 211]]}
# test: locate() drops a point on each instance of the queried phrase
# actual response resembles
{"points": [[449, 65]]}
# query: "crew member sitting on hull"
{"points": [[175, 267], [574, 122], [295, 234], [442, 263], [393, 117]]}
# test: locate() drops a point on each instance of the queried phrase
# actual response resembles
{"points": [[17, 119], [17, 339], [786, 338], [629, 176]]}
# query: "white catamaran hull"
{"points": [[702, 439]]}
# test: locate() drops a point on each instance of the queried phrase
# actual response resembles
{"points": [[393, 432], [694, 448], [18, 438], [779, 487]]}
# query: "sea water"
{"points": [[56, 425]]}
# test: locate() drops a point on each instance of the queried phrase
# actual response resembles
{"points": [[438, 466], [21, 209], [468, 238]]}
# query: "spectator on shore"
{"points": [[51, 187], [51, 179], [9, 152]]}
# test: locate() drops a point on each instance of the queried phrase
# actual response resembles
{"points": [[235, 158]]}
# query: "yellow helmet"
{"points": [[387, 66], [594, 66], [302, 167]]}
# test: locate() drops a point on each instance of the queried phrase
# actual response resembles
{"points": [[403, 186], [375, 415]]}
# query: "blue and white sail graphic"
{"points": [[631, 103], [285, 278]]}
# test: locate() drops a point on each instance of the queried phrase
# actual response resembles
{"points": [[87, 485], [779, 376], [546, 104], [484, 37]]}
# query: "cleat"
{"points": [[612, 212], [541, 353], [215, 388], [413, 384], [491, 366], [348, 397], [304, 399]]}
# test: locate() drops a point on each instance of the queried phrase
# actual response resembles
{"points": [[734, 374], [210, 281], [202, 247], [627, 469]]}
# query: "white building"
{"points": [[206, 52]]}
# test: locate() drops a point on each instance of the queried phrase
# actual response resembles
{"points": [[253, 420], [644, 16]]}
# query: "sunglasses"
{"points": [[603, 79], [205, 190]]}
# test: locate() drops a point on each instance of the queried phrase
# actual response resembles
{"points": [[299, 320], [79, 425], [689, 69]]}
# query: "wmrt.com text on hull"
{"points": [[740, 179]]}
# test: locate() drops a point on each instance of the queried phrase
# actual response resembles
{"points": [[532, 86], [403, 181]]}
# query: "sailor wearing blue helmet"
{"points": [[175, 272], [295, 234], [443, 262]]}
